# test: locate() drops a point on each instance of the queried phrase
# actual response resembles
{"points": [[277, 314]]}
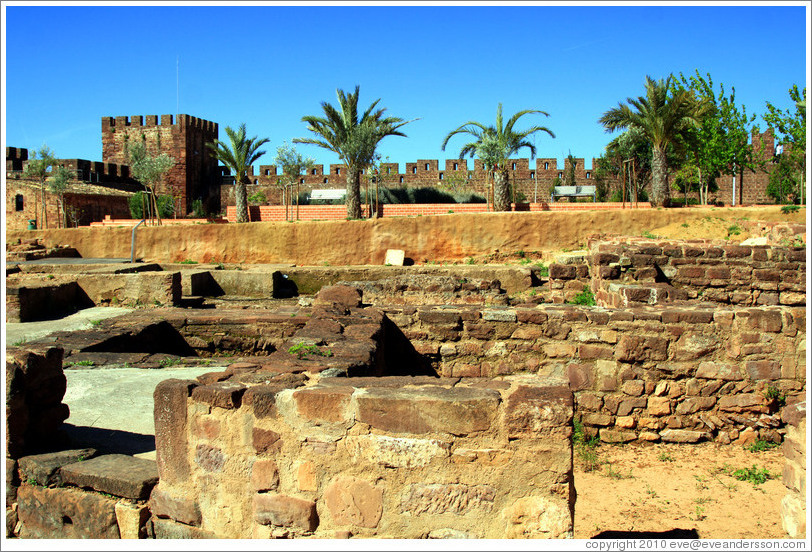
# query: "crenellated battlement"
{"points": [[182, 121]]}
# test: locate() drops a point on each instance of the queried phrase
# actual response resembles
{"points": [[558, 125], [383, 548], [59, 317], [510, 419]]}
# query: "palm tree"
{"points": [[354, 139], [241, 154], [494, 145], [663, 116]]}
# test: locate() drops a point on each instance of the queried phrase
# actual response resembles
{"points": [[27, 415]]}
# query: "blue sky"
{"points": [[68, 66]]}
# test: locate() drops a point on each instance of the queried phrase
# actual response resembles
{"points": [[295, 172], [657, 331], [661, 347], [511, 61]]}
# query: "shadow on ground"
{"points": [[108, 441]]}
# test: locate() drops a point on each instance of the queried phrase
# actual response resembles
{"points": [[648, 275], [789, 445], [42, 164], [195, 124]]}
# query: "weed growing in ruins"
{"points": [[665, 457], [650, 492], [753, 475], [775, 395], [585, 298], [734, 230], [188, 261], [167, 362], [82, 363], [95, 323], [470, 261], [610, 472], [699, 513], [761, 445], [544, 270], [585, 448], [521, 254], [787, 209], [701, 482], [19, 342], [301, 350], [684, 225], [50, 276], [649, 235]]}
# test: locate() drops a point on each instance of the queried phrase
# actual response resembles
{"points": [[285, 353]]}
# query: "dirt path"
{"points": [[664, 486]]}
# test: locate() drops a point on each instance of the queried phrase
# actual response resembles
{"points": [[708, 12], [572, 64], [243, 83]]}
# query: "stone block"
{"points": [[354, 501], [132, 520], [168, 529], [306, 477], [741, 402], [658, 406], [763, 369], [170, 397], [176, 507], [544, 517], [530, 410], [458, 410], [579, 376], [454, 498], [286, 511], [115, 474], [695, 404], [617, 435], [323, 404], [344, 296], [591, 352], [210, 459], [499, 315], [65, 514], [716, 370], [635, 348], [681, 436], [265, 475], [266, 441], [262, 398], [794, 515], [394, 257], [43, 469], [224, 394], [562, 271], [396, 452]]}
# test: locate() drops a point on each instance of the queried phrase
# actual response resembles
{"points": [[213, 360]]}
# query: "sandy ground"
{"points": [[664, 486]]}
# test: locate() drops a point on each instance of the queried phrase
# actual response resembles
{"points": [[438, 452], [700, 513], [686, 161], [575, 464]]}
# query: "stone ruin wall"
{"points": [[633, 271], [410, 456]]}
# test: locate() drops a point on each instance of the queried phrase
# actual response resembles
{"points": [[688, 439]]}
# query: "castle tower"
{"points": [[195, 174]]}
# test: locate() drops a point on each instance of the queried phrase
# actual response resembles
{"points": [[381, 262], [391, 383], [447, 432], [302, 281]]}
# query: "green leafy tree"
{"points": [[293, 164], [569, 174], [58, 185], [632, 148], [354, 139], [663, 116], [149, 170], [791, 126], [39, 168], [241, 153], [495, 145]]}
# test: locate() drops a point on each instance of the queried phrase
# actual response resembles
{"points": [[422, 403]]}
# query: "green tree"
{"points": [[354, 139], [39, 168], [58, 185], [632, 148], [791, 126], [240, 154], [495, 144], [149, 170], [663, 116], [569, 174], [293, 164]]}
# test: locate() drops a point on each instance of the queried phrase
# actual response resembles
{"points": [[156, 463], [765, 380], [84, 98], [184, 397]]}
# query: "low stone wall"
{"points": [[675, 374], [32, 296], [367, 457], [793, 505], [630, 272]]}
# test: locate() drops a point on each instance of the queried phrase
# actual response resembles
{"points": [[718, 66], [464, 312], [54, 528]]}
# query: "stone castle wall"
{"points": [[195, 174]]}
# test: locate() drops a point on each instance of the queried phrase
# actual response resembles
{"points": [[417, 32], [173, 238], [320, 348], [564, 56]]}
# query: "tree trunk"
{"points": [[241, 199], [44, 205], [501, 200], [659, 185], [353, 199]]}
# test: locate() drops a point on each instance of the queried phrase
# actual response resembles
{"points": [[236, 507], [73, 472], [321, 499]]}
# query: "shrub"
{"points": [[166, 205], [585, 298]]}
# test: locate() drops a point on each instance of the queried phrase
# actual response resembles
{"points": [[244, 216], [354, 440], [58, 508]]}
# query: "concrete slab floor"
{"points": [[111, 409]]}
